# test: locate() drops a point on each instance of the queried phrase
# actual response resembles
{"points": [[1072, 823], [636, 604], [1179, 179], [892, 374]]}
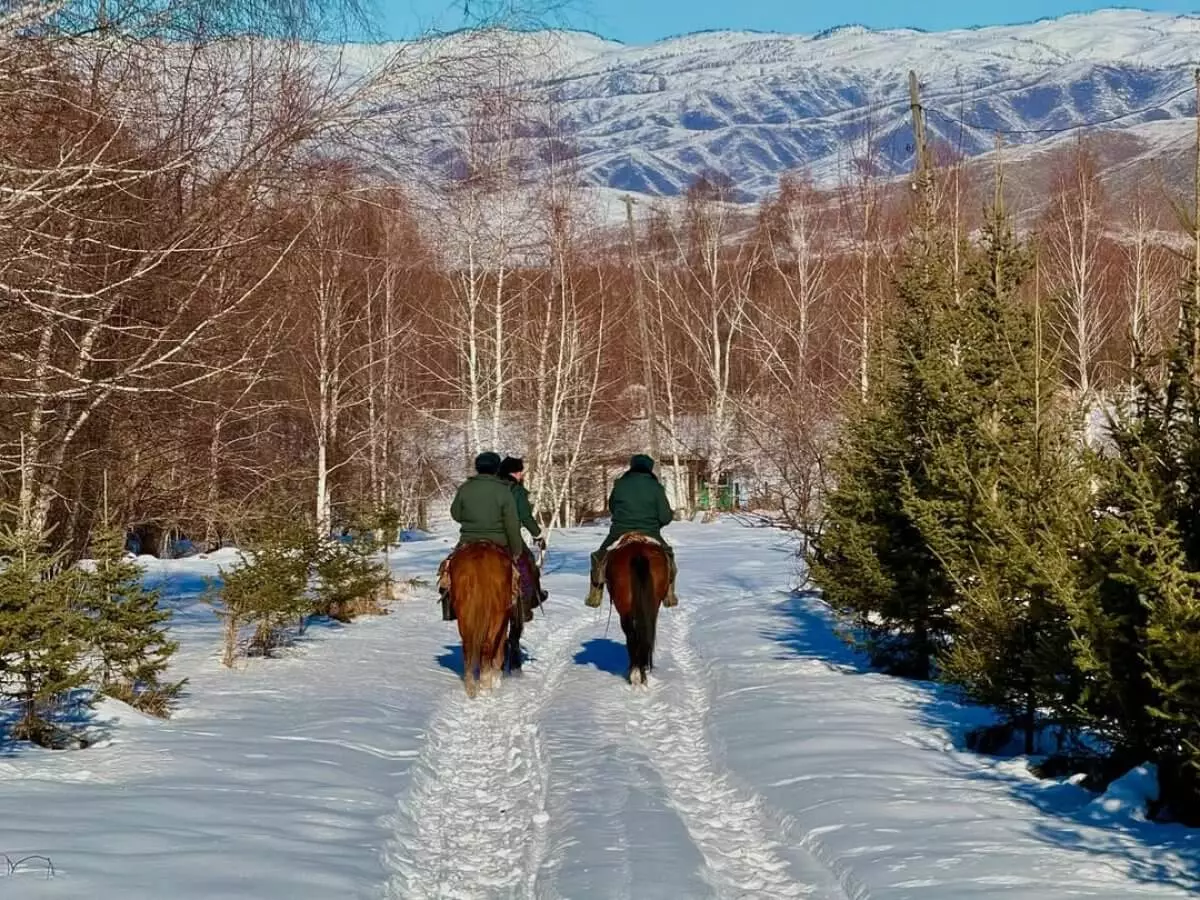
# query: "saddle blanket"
{"points": [[634, 537], [520, 579]]}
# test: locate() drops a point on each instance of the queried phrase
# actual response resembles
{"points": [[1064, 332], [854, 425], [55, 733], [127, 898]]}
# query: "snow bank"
{"points": [[1128, 798]]}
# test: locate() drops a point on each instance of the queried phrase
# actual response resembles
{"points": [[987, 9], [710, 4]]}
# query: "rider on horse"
{"points": [[513, 470], [486, 510], [638, 504]]}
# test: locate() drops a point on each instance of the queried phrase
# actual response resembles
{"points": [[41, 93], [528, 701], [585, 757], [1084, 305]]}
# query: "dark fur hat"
{"points": [[487, 463], [641, 463]]}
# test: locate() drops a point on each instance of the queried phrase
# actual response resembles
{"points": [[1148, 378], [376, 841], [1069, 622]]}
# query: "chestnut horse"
{"points": [[483, 589], [637, 575]]}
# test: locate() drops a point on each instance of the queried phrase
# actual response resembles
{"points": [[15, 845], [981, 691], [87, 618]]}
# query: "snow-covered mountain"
{"points": [[649, 119]]}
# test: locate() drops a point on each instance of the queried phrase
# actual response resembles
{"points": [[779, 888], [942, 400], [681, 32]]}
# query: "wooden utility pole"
{"points": [[998, 195], [918, 116], [1196, 204], [923, 183], [644, 329]]}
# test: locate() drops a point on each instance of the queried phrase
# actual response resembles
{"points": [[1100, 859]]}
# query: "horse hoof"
{"points": [[637, 677]]}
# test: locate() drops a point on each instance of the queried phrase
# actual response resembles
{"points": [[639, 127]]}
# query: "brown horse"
{"points": [[637, 575], [483, 589]]}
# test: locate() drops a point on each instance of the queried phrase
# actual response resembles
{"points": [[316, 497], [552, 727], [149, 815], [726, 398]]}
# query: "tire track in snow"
{"points": [[474, 822], [730, 827]]}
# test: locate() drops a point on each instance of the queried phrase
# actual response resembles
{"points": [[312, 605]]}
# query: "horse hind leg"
{"points": [[640, 668], [492, 668], [648, 641], [472, 659], [641, 654], [634, 675], [471, 681], [488, 679], [493, 658]]}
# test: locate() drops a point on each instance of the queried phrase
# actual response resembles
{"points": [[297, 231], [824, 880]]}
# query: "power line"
{"points": [[1158, 107]]}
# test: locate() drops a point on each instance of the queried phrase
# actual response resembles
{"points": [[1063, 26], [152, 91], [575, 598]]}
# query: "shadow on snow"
{"points": [[606, 655], [805, 630], [452, 659]]}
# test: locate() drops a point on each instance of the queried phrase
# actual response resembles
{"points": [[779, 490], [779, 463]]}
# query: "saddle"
{"points": [[443, 576]]}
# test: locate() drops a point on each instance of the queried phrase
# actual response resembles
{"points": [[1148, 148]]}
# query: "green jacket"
{"points": [[638, 502], [485, 508], [525, 510]]}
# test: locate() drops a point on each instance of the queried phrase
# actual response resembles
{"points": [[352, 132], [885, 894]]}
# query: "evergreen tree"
{"points": [[1173, 651], [267, 590], [1137, 621], [349, 580], [1007, 500], [871, 560], [41, 629], [1134, 566], [128, 630]]}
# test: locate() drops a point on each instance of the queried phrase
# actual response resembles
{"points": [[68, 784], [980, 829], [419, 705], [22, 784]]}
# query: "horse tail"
{"points": [[645, 609], [481, 585]]}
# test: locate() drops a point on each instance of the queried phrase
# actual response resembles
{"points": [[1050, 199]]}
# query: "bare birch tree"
{"points": [[1077, 269], [861, 200], [790, 421], [707, 294]]}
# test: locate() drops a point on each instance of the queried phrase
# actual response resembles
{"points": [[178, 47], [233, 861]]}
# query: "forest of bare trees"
{"points": [[227, 287]]}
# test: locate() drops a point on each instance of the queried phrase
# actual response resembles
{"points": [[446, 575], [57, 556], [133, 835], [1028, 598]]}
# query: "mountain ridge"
{"points": [[861, 27], [650, 118]]}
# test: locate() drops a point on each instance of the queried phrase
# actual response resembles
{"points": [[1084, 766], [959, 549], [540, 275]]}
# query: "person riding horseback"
{"points": [[486, 510], [512, 469], [638, 504]]}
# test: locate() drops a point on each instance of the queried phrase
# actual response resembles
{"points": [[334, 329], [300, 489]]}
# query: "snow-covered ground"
{"points": [[762, 763]]}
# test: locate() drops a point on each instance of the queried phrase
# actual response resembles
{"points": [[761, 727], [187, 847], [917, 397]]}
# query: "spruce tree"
{"points": [[1136, 621], [1007, 502], [871, 560], [1173, 652], [41, 636], [1134, 566], [268, 589], [128, 627]]}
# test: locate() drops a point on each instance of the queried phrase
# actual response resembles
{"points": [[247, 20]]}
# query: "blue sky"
{"points": [[646, 20]]}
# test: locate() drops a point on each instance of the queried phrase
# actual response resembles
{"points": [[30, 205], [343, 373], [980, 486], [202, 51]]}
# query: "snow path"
{"points": [[477, 821], [476, 814], [729, 826]]}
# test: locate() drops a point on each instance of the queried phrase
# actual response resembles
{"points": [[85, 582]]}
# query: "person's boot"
{"points": [[671, 599], [447, 607], [596, 593]]}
